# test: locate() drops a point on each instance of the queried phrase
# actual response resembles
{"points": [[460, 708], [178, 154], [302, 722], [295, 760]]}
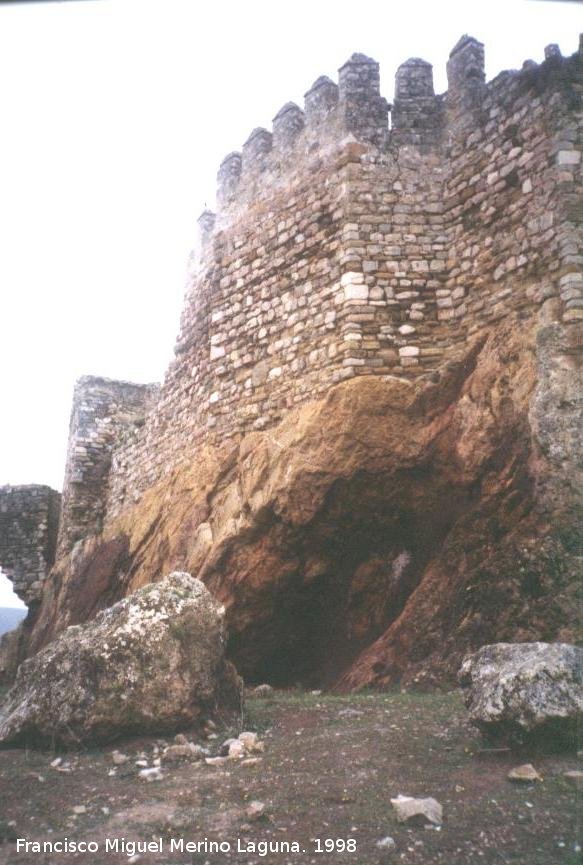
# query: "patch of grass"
{"points": [[257, 717], [7, 833], [432, 700], [568, 859]]}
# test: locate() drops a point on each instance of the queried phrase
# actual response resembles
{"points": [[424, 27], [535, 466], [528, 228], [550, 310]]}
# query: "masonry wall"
{"points": [[102, 411], [341, 248], [514, 161], [29, 519]]}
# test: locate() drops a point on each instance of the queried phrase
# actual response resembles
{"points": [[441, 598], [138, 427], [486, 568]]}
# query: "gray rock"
{"points": [[386, 843], [255, 810], [574, 777], [525, 774], [251, 761], [251, 742], [216, 761], [151, 774], [155, 661], [524, 691], [119, 759], [264, 690], [418, 812], [236, 750], [176, 753]]}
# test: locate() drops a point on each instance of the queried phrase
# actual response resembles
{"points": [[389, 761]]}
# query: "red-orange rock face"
{"points": [[375, 534]]}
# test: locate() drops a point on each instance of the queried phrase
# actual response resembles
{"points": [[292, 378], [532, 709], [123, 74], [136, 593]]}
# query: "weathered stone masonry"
{"points": [[29, 519], [102, 410], [343, 248], [345, 245]]}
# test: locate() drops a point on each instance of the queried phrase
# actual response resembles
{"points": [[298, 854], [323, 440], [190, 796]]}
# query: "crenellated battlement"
{"points": [[345, 245], [363, 111], [466, 75], [332, 112], [354, 108], [287, 125], [255, 150], [417, 116], [228, 179], [319, 101]]}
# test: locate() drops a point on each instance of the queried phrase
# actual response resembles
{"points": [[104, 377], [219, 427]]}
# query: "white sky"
{"points": [[114, 117], [7, 596]]}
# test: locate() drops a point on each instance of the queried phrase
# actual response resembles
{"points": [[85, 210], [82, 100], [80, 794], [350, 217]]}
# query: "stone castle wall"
{"points": [[341, 247], [29, 518], [102, 411]]}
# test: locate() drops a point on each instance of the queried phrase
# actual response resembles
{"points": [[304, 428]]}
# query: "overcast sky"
{"points": [[115, 115], [7, 596]]}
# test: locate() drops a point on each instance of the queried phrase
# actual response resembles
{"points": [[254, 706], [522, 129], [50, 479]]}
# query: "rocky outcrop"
{"points": [[153, 662], [525, 691], [10, 649], [378, 534]]}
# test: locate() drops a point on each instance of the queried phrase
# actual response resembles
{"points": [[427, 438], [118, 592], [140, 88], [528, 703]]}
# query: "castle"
{"points": [[343, 245]]}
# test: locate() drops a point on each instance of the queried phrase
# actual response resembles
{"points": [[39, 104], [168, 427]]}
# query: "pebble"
{"points": [[153, 774], [118, 758], [263, 690], [418, 811], [387, 843], [524, 774], [255, 810], [187, 751], [575, 777], [236, 750], [216, 761], [251, 742]]}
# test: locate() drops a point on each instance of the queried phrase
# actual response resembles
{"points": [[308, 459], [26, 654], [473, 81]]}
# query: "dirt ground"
{"points": [[330, 767]]}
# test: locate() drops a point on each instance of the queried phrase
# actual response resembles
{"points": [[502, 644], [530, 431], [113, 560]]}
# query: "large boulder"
{"points": [[153, 662], [525, 691]]}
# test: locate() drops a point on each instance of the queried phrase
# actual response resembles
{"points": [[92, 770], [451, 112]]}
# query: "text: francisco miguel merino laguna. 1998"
{"points": [[182, 845]]}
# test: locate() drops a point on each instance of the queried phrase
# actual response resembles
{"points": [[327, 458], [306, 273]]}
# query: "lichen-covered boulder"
{"points": [[153, 662], [525, 691]]}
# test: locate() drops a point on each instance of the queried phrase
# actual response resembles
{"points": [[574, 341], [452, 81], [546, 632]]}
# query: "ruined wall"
{"points": [[343, 247], [29, 519], [102, 411]]}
